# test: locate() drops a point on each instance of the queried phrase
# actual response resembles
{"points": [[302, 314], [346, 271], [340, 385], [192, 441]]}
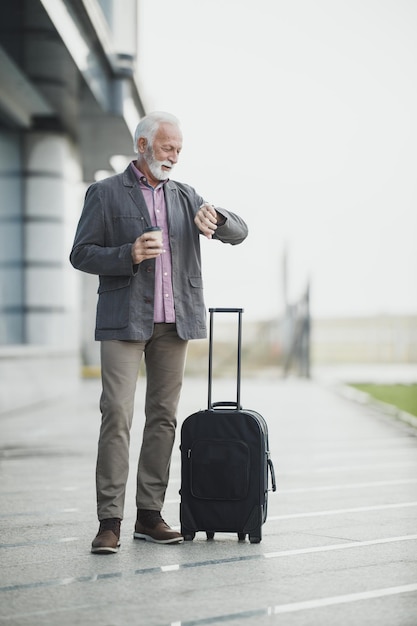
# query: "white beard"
{"points": [[156, 166]]}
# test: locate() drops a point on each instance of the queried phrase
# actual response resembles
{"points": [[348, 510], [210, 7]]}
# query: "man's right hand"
{"points": [[147, 246]]}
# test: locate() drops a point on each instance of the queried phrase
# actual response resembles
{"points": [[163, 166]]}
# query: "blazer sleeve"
{"points": [[233, 231], [92, 252]]}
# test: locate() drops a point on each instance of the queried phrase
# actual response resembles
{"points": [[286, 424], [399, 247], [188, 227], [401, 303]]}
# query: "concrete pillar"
{"points": [[11, 243], [53, 195]]}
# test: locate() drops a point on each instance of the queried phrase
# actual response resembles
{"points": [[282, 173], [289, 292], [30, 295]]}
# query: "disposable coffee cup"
{"points": [[155, 230]]}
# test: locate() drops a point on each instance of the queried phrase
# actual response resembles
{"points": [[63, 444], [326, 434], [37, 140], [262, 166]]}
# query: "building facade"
{"points": [[69, 102]]}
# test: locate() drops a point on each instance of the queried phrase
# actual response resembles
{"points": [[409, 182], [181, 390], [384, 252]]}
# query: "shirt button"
{"points": [[166, 295]]}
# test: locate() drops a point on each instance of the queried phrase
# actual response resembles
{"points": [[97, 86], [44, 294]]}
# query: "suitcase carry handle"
{"points": [[236, 404], [232, 405], [272, 472]]}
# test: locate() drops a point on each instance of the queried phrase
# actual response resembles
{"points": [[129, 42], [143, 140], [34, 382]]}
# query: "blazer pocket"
{"points": [[196, 281], [113, 302], [198, 310]]}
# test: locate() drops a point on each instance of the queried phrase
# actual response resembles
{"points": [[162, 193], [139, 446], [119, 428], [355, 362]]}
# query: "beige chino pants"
{"points": [[165, 355]]}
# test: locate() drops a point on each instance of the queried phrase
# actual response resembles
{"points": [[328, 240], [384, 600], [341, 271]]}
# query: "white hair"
{"points": [[149, 124]]}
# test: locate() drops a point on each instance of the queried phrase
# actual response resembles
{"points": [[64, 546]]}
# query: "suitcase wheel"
{"points": [[256, 536], [210, 535], [241, 536], [188, 535]]}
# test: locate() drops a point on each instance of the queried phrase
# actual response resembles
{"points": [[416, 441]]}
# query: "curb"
{"points": [[362, 397]]}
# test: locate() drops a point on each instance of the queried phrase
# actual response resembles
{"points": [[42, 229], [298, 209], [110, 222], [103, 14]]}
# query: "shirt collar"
{"points": [[142, 178]]}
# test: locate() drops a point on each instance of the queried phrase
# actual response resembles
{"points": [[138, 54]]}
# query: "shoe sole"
{"points": [[105, 550], [152, 540]]}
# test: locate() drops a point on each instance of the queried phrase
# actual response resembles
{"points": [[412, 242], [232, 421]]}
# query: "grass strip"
{"points": [[402, 396]]}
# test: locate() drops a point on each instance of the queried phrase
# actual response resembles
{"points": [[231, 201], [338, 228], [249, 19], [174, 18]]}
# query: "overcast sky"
{"points": [[300, 115]]}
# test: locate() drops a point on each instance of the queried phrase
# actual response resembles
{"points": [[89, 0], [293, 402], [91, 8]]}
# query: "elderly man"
{"points": [[150, 304]]}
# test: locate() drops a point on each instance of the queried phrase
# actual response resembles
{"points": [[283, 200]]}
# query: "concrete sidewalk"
{"points": [[339, 545]]}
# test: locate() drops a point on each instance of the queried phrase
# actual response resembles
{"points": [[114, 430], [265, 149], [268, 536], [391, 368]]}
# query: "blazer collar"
{"points": [[130, 180]]}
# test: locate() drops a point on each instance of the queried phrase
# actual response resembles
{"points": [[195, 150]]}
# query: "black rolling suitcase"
{"points": [[224, 463]]}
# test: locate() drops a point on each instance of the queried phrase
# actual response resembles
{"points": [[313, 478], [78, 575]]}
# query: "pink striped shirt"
{"points": [[164, 310]]}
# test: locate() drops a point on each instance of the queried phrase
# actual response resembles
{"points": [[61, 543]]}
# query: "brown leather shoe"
{"points": [[107, 539], [151, 527]]}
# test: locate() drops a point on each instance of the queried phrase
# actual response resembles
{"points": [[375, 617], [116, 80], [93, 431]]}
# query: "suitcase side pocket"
{"points": [[219, 469]]}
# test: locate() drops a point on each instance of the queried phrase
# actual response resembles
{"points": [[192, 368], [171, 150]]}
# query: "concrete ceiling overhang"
{"points": [[109, 104], [20, 101], [104, 134], [90, 48]]}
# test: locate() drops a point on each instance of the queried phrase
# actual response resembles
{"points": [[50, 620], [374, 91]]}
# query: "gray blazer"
{"points": [[114, 215]]}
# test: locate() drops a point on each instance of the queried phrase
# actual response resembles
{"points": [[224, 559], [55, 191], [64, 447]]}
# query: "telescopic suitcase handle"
{"points": [[236, 404]]}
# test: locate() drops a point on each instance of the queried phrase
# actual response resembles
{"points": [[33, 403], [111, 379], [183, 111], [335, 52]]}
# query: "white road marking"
{"points": [[359, 509]]}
